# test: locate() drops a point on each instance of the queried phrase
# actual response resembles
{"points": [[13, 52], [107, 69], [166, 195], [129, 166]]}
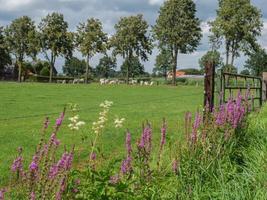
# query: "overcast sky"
{"points": [[109, 12]]}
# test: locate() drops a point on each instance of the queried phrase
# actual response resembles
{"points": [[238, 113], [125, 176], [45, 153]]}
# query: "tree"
{"points": [[257, 62], [245, 72], [239, 24], [5, 58], [211, 56], [163, 62], [178, 28], [131, 41], [106, 66], [74, 67], [230, 69], [55, 39], [132, 68], [18, 40], [90, 40]]}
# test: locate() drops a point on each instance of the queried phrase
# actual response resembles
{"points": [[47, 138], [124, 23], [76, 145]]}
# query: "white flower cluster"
{"points": [[99, 125], [118, 122], [75, 123]]}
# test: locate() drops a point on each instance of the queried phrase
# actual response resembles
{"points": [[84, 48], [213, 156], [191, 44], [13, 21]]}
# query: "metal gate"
{"points": [[230, 83]]}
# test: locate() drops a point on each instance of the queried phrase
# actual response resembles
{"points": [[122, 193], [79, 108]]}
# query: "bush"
{"points": [[45, 72]]}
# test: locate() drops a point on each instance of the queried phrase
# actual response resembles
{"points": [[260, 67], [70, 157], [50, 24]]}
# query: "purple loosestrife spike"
{"points": [[2, 194], [46, 123], [59, 120], [114, 179], [33, 166], [126, 166], [128, 144], [17, 164], [196, 125], [93, 156], [32, 197], [163, 134], [61, 189]]}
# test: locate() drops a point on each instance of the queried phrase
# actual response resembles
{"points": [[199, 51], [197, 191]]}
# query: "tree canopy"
{"points": [[239, 24], [257, 62], [178, 28], [74, 67], [19, 35], [211, 56], [55, 39], [5, 58], [163, 62], [106, 66], [131, 41], [133, 68]]}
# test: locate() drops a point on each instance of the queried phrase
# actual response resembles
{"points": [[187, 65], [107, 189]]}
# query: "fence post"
{"points": [[264, 86], [209, 86]]}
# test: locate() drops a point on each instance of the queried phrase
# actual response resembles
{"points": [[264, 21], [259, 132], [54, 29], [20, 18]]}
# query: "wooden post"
{"points": [[209, 86], [264, 86]]}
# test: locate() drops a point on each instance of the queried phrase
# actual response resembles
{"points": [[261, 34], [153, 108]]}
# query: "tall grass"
{"points": [[224, 157]]}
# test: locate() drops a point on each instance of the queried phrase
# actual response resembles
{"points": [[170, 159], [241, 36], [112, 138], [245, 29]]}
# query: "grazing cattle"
{"points": [[151, 83]]}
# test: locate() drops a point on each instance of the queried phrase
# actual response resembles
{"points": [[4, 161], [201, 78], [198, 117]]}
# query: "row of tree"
{"points": [[177, 31]]}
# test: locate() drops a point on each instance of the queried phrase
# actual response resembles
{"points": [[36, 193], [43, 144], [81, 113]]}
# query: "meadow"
{"points": [[23, 108]]}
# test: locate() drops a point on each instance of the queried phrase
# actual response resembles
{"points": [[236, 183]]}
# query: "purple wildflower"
{"points": [[61, 189], [128, 144], [54, 140], [32, 197], [46, 123], [59, 120], [196, 125], [17, 164], [33, 166], [114, 179], [93, 156], [53, 171], [2, 194], [163, 135], [126, 165], [146, 139]]}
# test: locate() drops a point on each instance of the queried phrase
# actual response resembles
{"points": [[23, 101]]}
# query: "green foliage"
{"points": [[45, 71], [163, 62], [39, 65], [106, 66], [192, 71], [5, 58], [229, 68], [90, 39], [55, 39], [74, 67], [132, 67], [239, 24], [131, 40], [178, 29], [245, 72], [257, 62], [19, 36], [213, 57]]}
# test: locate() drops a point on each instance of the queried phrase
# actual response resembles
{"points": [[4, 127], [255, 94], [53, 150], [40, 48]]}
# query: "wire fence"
{"points": [[95, 108]]}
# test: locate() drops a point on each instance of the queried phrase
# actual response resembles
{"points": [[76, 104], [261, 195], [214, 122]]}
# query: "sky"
{"points": [[110, 11]]}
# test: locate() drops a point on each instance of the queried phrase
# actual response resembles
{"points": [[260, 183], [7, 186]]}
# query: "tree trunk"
{"points": [[19, 75], [127, 72], [175, 55], [51, 72], [87, 70], [227, 53], [233, 58], [165, 73]]}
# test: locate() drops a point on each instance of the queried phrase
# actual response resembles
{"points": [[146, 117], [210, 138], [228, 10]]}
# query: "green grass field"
{"points": [[23, 108]]}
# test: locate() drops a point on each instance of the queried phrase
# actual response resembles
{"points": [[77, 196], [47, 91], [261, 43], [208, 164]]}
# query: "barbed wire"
{"points": [[95, 108]]}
